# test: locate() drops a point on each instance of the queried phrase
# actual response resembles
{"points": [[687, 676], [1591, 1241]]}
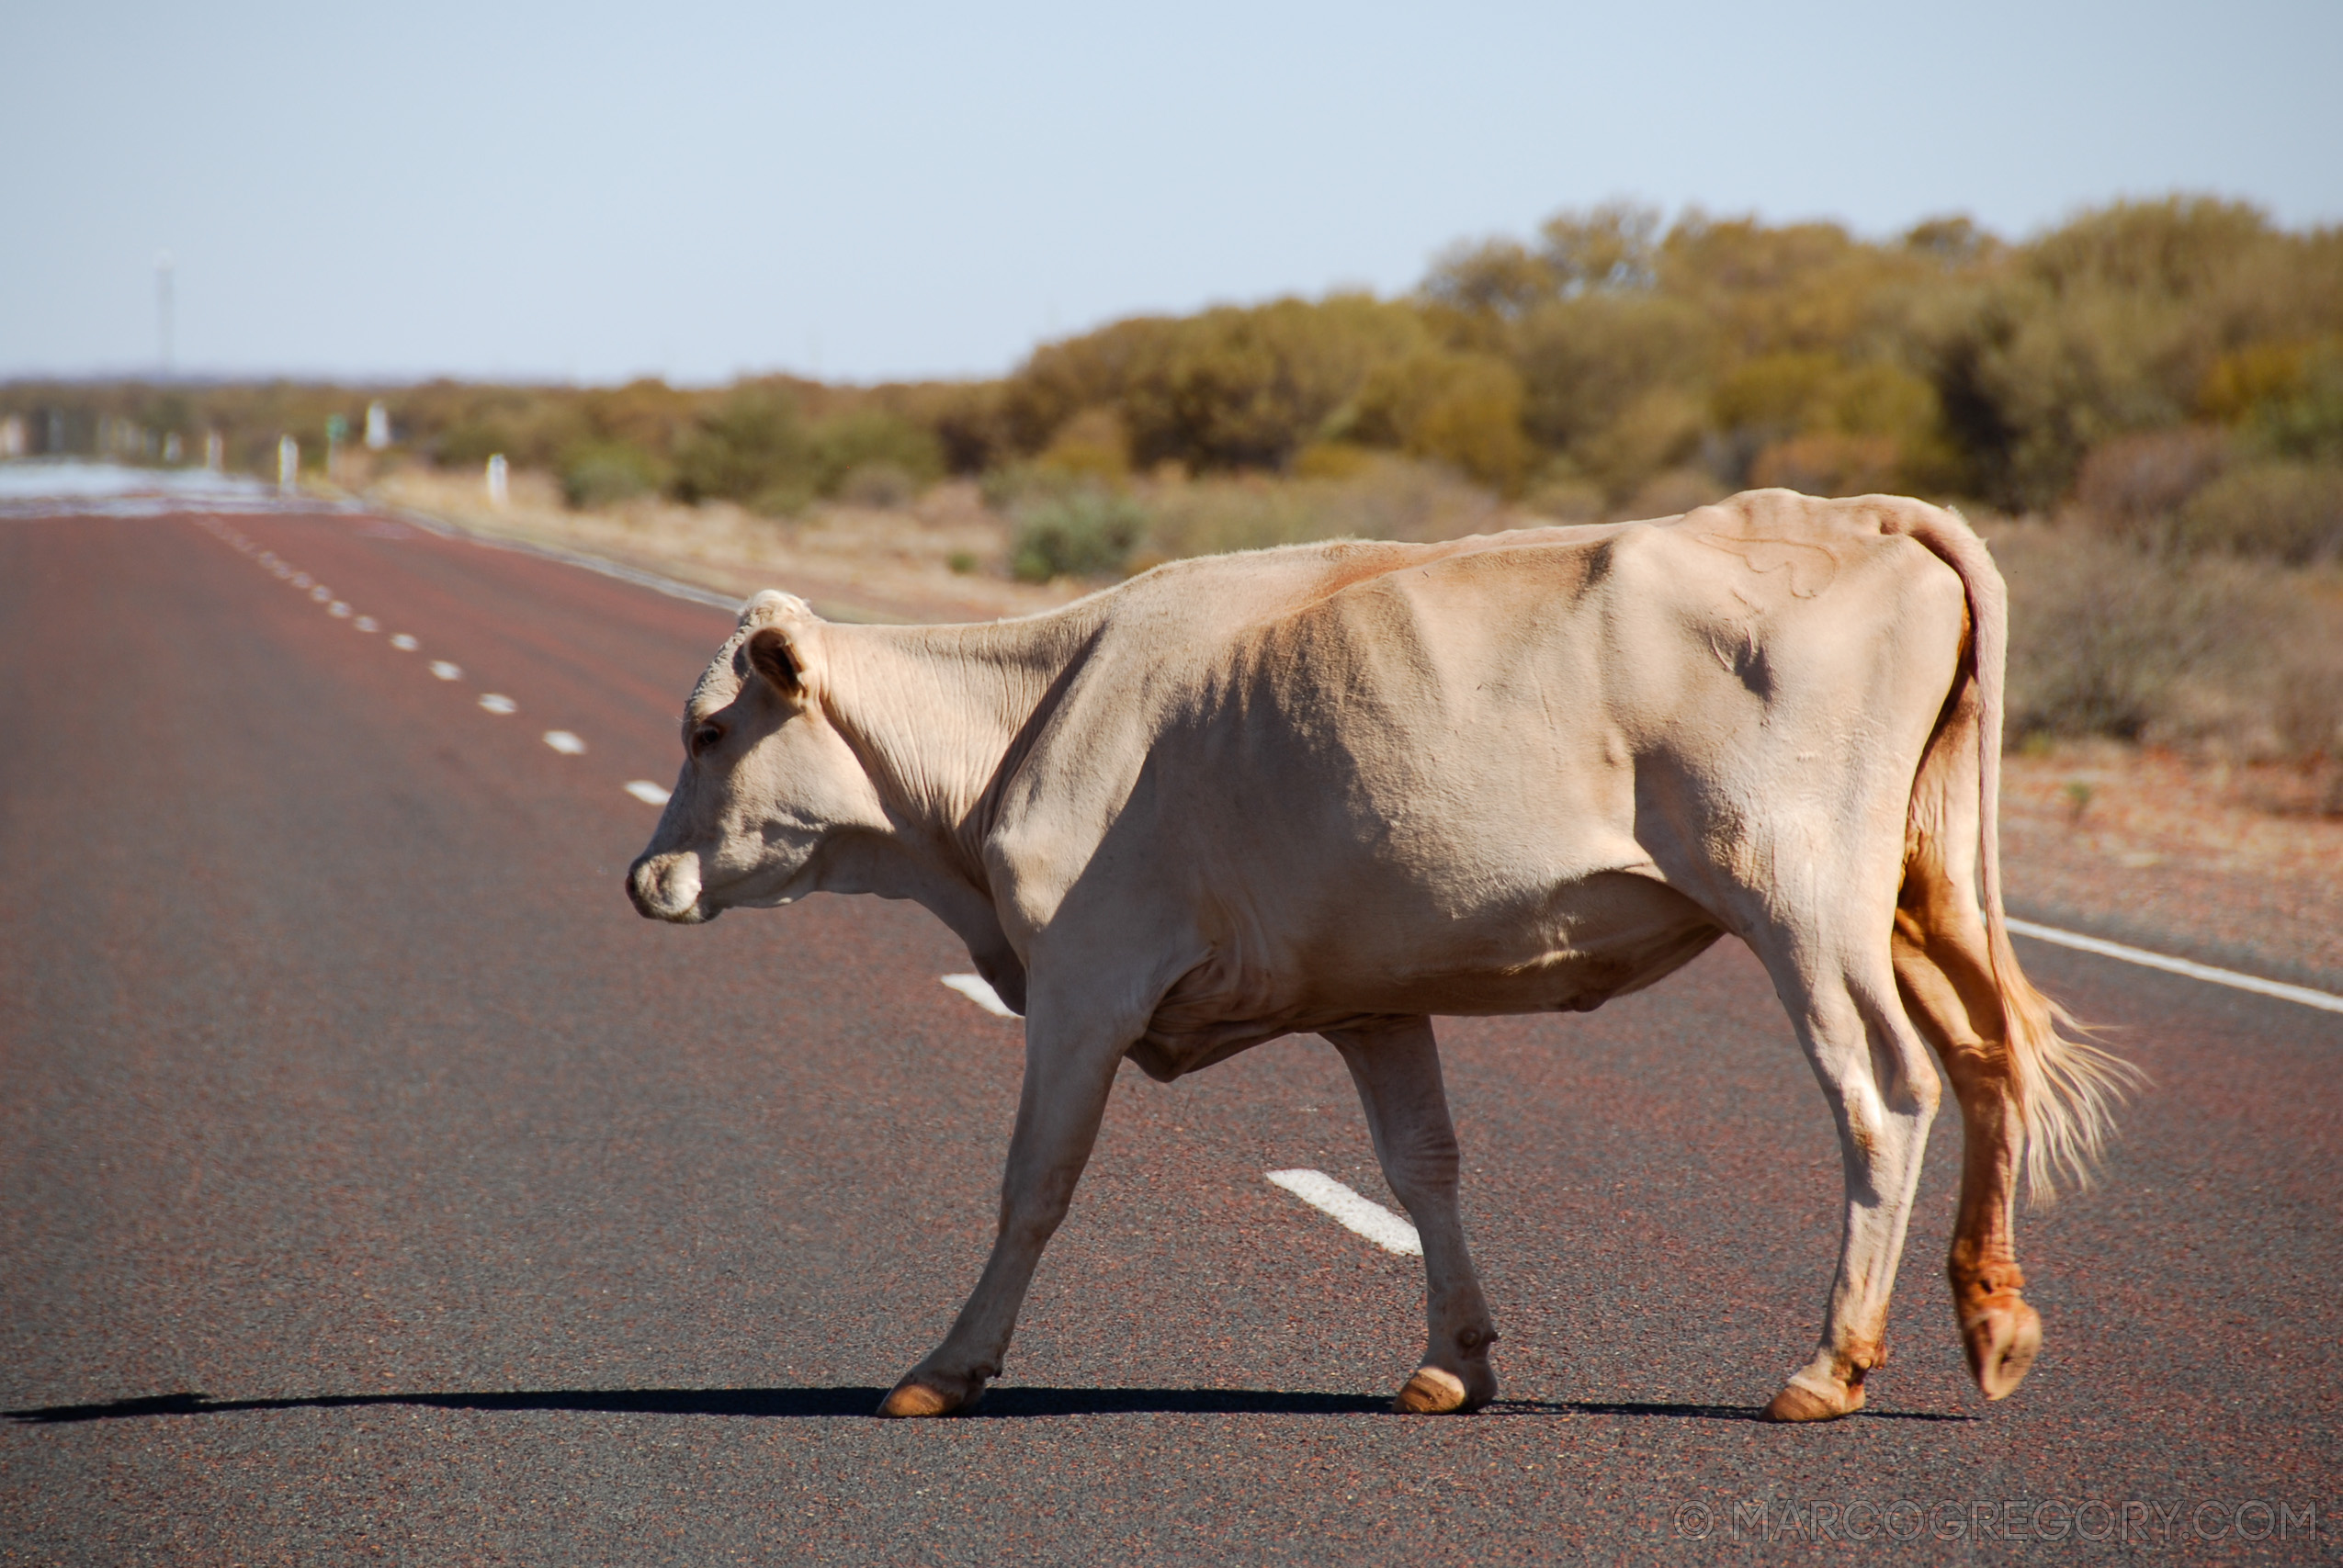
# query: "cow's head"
{"points": [[768, 784]]}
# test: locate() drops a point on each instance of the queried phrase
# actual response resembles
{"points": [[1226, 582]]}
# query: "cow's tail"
{"points": [[2062, 1086]]}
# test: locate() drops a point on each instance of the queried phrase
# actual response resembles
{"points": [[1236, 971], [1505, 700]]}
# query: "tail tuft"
{"points": [[2065, 1085]]}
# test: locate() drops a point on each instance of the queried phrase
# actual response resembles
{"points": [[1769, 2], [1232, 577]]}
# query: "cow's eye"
{"points": [[706, 735]]}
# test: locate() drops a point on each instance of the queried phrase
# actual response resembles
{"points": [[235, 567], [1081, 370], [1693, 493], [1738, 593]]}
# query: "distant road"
{"points": [[375, 1186]]}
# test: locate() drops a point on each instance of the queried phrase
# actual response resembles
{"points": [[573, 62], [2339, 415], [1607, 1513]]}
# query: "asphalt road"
{"points": [[375, 1185]]}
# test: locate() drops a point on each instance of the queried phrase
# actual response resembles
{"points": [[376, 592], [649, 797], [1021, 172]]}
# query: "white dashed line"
{"points": [[1347, 1209], [565, 741], [2323, 1000], [974, 987]]}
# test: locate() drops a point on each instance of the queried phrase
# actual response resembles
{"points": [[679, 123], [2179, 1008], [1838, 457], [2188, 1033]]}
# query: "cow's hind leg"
{"points": [[1883, 1092], [1945, 971], [1397, 1068]]}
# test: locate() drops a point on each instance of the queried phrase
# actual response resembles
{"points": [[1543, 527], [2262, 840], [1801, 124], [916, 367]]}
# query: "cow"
{"points": [[1342, 787]]}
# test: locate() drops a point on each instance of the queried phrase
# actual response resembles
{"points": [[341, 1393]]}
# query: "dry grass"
{"points": [[852, 563]]}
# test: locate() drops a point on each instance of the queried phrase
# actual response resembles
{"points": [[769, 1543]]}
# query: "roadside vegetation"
{"points": [[2144, 408]]}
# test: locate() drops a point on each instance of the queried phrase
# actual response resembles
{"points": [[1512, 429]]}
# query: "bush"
{"points": [[1673, 493], [1377, 497], [838, 446], [2231, 656], [751, 449], [469, 446], [2290, 512], [607, 472], [1093, 444], [1248, 388], [1830, 464], [2285, 399], [2130, 487], [1087, 533], [1463, 409], [880, 486]]}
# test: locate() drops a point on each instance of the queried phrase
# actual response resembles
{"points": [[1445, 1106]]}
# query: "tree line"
{"points": [[2135, 358]]}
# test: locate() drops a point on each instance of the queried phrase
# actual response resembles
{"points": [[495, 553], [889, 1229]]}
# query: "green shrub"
{"points": [[752, 448], [868, 438], [469, 444], [604, 473], [2283, 398], [1087, 533]]}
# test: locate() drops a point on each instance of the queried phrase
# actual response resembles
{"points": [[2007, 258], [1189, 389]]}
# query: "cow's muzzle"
{"points": [[666, 887]]}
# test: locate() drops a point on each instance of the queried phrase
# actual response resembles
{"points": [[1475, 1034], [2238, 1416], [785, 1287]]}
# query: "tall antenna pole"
{"points": [[163, 265]]}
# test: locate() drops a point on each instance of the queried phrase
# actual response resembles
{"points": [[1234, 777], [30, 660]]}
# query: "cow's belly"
{"points": [[1610, 934]]}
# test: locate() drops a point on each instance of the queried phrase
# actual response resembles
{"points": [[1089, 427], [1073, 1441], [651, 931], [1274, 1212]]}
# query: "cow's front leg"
{"points": [[1057, 1115], [1397, 1068]]}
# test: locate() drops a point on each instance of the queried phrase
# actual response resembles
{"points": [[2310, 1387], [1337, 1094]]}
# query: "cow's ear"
{"points": [[774, 656]]}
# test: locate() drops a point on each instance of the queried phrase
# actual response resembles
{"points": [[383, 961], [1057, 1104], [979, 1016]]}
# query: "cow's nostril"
{"points": [[665, 887]]}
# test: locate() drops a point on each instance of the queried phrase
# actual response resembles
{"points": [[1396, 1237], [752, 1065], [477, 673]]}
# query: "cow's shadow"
{"points": [[998, 1403]]}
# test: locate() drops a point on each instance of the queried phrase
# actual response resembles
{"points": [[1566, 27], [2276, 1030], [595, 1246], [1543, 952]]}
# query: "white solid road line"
{"points": [[647, 792], [497, 702], [1346, 1208], [973, 988], [2323, 1000], [566, 742]]}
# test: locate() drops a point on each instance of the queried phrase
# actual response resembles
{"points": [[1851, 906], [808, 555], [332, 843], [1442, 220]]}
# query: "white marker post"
{"points": [[289, 464], [500, 487], [215, 451], [377, 426]]}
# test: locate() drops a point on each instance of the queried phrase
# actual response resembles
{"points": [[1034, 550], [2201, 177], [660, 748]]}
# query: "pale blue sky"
{"points": [[595, 191]]}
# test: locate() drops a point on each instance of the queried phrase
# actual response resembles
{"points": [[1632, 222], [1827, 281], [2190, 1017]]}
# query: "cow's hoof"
{"points": [[1435, 1391], [914, 1401], [2003, 1336], [1796, 1402]]}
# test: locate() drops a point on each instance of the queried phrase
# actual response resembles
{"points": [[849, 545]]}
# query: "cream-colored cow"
{"points": [[1343, 787]]}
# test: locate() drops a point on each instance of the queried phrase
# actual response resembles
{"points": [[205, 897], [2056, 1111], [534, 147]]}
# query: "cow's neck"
{"points": [[938, 716]]}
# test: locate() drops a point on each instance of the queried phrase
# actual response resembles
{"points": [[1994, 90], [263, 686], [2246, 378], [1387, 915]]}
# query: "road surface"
{"points": [[375, 1186]]}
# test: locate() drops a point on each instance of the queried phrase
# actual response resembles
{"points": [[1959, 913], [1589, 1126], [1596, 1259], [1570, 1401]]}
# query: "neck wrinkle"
{"points": [[942, 717]]}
